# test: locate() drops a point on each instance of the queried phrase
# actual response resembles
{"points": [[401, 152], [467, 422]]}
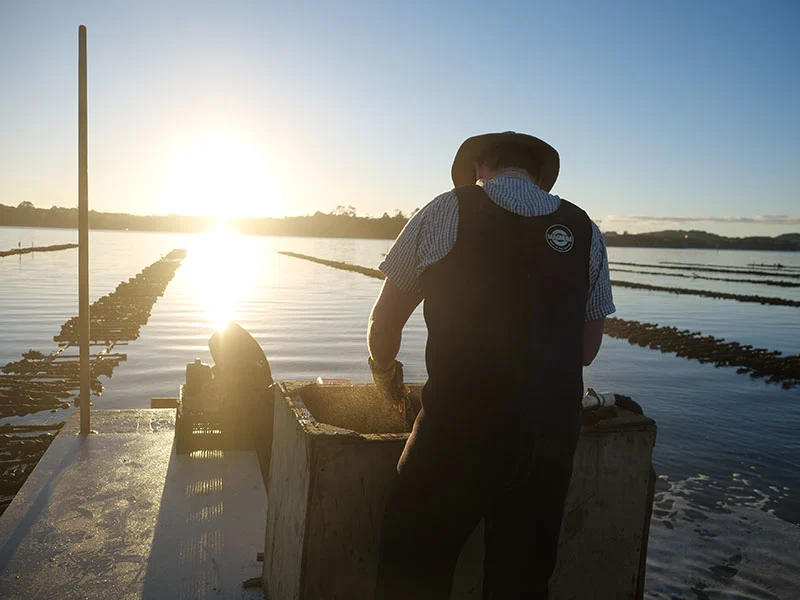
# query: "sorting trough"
{"points": [[333, 458]]}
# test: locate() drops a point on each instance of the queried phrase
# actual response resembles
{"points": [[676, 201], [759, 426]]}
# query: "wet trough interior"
{"points": [[359, 408]]}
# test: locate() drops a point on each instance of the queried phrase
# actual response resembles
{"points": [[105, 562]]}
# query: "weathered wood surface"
{"points": [[767, 282], [771, 300], [709, 268], [42, 381], [32, 249], [288, 492], [757, 362], [337, 264]]}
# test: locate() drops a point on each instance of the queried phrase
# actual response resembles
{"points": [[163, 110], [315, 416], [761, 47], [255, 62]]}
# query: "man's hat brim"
{"points": [[463, 171]]}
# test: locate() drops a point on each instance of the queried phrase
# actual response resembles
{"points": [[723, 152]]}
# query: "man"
{"points": [[516, 290]]}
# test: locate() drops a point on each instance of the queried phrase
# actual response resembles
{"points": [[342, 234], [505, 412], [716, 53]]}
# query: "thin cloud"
{"points": [[759, 219]]}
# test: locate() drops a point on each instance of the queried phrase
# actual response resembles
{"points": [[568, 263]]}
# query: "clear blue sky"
{"points": [[680, 114]]}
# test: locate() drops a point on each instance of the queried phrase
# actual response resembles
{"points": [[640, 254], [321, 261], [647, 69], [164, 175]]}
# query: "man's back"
{"points": [[515, 289], [508, 303]]}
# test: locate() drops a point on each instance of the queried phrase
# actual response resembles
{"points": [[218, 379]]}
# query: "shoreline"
{"points": [[610, 241]]}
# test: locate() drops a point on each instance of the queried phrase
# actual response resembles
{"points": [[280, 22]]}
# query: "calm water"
{"points": [[728, 453]]}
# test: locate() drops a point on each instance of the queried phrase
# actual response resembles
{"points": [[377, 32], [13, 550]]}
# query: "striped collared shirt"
{"points": [[430, 235]]}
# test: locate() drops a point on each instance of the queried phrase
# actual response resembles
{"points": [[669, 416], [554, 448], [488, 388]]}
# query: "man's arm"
{"points": [[386, 322], [592, 338], [600, 303]]}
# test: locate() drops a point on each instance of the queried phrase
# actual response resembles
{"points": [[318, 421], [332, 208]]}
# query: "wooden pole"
{"points": [[83, 234]]}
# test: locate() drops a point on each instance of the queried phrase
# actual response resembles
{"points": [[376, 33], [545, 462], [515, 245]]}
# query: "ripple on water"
{"points": [[704, 543]]}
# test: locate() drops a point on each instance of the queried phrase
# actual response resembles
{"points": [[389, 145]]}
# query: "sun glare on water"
{"points": [[220, 267], [221, 175]]}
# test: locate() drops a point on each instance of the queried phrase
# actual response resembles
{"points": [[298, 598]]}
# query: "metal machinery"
{"points": [[228, 406]]}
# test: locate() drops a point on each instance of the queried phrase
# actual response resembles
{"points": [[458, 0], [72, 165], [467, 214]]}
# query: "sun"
{"points": [[221, 175], [219, 279]]}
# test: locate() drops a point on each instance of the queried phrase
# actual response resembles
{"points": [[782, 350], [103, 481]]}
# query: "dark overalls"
{"points": [[497, 432]]}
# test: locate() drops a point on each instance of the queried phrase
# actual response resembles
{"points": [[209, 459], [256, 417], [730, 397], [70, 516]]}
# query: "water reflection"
{"points": [[716, 537], [219, 267]]}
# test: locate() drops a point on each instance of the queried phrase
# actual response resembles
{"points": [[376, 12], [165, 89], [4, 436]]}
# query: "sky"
{"points": [[667, 115]]}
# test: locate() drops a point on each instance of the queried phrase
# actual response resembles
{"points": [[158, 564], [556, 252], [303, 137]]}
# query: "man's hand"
{"points": [[389, 381]]}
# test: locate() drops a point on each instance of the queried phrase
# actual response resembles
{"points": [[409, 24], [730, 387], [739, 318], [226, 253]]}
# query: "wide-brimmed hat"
{"points": [[463, 171]]}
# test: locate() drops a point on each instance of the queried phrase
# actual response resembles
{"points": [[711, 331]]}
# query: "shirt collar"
{"points": [[514, 191], [518, 175]]}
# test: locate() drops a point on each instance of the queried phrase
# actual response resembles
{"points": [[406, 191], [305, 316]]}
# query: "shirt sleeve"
{"points": [[426, 239], [400, 263], [601, 302]]}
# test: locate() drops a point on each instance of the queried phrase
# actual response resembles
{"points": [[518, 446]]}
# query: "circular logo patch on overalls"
{"points": [[559, 237]]}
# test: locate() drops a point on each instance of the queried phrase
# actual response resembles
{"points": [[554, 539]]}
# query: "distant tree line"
{"points": [[343, 221], [701, 239], [340, 222]]}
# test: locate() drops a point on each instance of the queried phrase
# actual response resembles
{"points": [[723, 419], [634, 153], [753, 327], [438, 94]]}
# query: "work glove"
{"points": [[389, 382]]}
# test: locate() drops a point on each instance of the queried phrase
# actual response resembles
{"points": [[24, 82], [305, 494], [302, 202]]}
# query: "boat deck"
{"points": [[117, 514]]}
